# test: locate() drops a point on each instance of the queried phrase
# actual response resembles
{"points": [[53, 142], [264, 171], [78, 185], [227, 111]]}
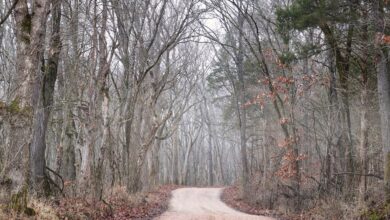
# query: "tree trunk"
{"points": [[383, 71], [342, 67], [35, 88], [241, 111], [364, 114], [184, 179], [45, 104], [363, 141], [384, 104], [17, 154], [68, 140]]}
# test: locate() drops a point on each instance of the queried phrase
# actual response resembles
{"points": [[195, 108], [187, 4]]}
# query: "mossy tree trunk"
{"points": [[30, 32]]}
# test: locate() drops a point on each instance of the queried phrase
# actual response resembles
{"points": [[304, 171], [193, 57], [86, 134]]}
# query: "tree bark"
{"points": [[210, 147], [342, 67], [383, 71], [31, 34], [364, 113], [240, 105], [384, 104], [45, 102]]}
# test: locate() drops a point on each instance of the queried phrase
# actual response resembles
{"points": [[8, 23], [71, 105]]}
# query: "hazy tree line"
{"points": [[290, 99]]}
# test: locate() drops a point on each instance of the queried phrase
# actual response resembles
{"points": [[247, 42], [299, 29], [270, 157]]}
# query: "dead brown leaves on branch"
{"points": [[382, 39], [283, 85]]}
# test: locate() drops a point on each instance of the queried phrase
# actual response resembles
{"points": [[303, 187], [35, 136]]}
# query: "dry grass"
{"points": [[233, 197], [332, 206], [43, 211]]}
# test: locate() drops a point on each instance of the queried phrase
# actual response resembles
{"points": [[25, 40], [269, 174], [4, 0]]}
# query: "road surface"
{"points": [[202, 204]]}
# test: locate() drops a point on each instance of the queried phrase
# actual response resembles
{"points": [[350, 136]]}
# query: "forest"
{"points": [[108, 107]]}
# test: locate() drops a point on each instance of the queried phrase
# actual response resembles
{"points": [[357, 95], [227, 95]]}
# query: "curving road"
{"points": [[202, 204]]}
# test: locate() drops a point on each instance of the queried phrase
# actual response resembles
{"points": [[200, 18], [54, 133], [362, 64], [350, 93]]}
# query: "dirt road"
{"points": [[202, 204]]}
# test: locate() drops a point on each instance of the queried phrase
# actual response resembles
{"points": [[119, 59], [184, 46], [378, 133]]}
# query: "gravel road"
{"points": [[202, 204]]}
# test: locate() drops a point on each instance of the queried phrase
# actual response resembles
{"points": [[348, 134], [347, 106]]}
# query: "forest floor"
{"points": [[203, 203], [332, 209], [119, 205], [232, 197], [168, 202]]}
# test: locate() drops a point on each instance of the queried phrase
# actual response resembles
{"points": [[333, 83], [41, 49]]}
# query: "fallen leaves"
{"points": [[231, 196], [137, 206]]}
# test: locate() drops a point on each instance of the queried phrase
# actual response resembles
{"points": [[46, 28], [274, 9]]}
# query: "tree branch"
{"points": [[3, 19]]}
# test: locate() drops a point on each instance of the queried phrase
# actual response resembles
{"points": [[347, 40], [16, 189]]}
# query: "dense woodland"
{"points": [[289, 99]]}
